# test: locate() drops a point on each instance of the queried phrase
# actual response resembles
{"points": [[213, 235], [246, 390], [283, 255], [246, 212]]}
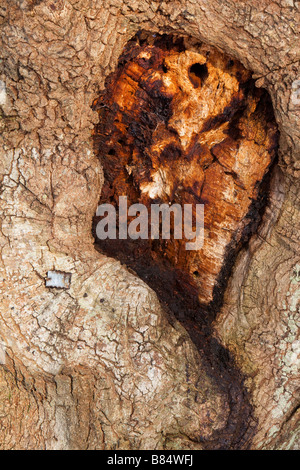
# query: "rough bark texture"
{"points": [[102, 364]]}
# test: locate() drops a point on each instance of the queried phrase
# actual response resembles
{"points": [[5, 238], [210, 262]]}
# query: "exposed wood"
{"points": [[181, 123], [103, 364]]}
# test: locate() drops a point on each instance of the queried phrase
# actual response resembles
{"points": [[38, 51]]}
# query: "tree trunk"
{"points": [[100, 362]]}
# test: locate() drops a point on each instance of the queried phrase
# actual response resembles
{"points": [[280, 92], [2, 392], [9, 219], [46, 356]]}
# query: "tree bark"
{"points": [[102, 364]]}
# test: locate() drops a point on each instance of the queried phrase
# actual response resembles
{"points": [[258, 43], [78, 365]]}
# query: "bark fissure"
{"points": [[102, 365], [141, 97]]}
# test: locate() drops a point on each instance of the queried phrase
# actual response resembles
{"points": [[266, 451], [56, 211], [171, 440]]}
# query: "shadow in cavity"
{"points": [[136, 112]]}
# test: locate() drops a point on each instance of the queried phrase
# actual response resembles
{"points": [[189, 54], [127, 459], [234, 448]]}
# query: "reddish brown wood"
{"points": [[183, 123]]}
